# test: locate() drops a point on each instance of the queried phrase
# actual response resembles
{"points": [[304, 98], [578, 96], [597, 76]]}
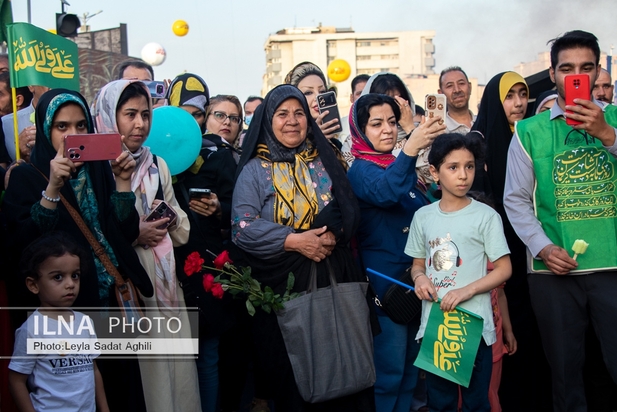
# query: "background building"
{"points": [[409, 54]]}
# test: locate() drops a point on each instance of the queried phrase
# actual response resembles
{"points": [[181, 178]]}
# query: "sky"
{"points": [[225, 41]]}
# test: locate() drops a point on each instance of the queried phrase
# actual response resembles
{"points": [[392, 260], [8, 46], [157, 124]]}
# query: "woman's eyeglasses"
{"points": [[221, 117]]}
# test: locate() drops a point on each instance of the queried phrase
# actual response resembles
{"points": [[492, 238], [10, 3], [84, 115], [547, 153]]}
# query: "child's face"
{"points": [[455, 174], [58, 282]]}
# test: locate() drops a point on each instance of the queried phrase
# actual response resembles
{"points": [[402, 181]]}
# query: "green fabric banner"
{"points": [[41, 58], [450, 344], [6, 18]]}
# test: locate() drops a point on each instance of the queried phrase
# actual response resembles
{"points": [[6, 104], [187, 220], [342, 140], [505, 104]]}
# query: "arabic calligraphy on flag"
{"points": [[450, 344], [38, 57]]}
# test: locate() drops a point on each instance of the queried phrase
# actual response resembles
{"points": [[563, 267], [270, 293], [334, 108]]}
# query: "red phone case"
{"points": [[161, 211], [577, 87], [92, 147]]}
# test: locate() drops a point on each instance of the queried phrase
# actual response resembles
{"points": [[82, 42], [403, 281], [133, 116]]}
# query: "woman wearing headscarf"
{"points": [[392, 85], [101, 193], [545, 101], [124, 107], [311, 81], [385, 186], [503, 103], [292, 206]]}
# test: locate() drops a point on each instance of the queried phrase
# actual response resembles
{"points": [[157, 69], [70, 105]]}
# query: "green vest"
{"points": [[575, 196]]}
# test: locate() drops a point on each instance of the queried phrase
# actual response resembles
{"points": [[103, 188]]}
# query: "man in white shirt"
{"points": [[455, 85]]}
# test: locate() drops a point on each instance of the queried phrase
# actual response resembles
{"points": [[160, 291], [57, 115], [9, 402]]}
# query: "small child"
{"points": [[52, 266], [451, 242]]}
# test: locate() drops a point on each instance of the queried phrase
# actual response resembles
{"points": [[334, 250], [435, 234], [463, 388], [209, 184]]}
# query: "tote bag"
{"points": [[328, 338]]}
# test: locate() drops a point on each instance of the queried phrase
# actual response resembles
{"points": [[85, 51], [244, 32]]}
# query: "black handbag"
{"points": [[399, 303]]}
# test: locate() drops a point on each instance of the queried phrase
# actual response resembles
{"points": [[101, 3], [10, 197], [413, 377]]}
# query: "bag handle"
{"points": [[313, 280], [98, 249]]}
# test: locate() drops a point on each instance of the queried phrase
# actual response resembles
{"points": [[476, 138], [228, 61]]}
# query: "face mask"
{"points": [[247, 119]]}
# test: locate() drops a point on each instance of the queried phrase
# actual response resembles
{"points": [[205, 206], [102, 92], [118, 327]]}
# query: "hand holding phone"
{"points": [[92, 147], [204, 202], [576, 87], [161, 211], [196, 193]]}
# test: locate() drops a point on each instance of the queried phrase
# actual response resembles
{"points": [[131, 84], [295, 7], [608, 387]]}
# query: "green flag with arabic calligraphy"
{"points": [[38, 57], [450, 344], [6, 18]]}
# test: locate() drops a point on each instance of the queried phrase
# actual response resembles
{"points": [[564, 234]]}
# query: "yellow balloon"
{"points": [[180, 28], [339, 70]]}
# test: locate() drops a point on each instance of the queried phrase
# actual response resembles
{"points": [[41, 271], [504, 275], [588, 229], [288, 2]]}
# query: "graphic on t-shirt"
{"points": [[444, 257], [71, 364], [444, 254]]}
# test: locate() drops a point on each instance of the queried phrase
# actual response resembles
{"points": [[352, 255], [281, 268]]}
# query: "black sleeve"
{"points": [[4, 154]]}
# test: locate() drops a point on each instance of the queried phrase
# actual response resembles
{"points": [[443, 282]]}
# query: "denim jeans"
{"points": [[208, 373], [395, 352], [443, 394]]}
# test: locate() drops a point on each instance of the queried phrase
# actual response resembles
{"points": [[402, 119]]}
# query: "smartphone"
{"points": [[436, 106], [157, 89], [161, 211], [577, 87], [195, 193], [327, 101], [92, 147]]}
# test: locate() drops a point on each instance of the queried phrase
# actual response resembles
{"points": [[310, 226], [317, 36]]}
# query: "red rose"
{"points": [[221, 259], [208, 281], [217, 291], [193, 264]]}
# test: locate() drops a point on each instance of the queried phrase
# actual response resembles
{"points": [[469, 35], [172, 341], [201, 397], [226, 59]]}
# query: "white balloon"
{"points": [[153, 54]]}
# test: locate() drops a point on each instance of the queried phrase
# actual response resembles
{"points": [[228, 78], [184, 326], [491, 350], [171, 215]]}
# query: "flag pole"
{"points": [[405, 285], [17, 151]]}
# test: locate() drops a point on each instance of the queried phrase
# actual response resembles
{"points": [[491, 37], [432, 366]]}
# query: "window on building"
{"points": [[363, 58], [363, 44]]}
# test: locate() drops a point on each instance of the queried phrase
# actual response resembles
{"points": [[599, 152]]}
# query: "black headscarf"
{"points": [[493, 124], [260, 131], [27, 182]]}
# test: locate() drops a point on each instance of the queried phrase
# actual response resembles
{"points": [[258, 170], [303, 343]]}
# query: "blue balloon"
{"points": [[175, 136]]}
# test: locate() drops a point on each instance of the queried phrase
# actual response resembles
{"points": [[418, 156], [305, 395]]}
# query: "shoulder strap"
{"points": [[98, 249], [159, 191]]}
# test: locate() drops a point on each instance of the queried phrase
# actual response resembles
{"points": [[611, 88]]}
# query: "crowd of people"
{"points": [[480, 211]]}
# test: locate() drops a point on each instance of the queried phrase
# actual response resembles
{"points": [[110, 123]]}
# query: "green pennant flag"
{"points": [[450, 344], [38, 57], [6, 18]]}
